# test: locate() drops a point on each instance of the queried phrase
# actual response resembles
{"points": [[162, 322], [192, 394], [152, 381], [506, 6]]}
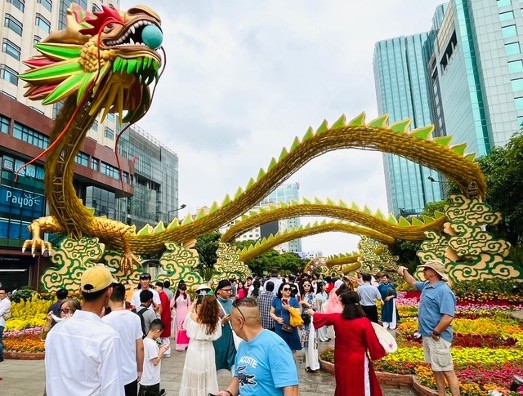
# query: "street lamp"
{"points": [[434, 180], [176, 210]]}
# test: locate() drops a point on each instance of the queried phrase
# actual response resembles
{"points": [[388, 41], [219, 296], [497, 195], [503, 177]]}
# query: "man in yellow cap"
{"points": [[436, 311], [82, 353]]}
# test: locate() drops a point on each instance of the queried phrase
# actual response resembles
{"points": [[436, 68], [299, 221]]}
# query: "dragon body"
{"points": [[105, 62]]}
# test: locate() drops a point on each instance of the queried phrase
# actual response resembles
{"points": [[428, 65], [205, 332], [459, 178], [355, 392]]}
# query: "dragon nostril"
{"points": [[152, 36]]}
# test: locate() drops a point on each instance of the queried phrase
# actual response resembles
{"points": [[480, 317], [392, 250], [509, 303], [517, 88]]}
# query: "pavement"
{"points": [[27, 378]]}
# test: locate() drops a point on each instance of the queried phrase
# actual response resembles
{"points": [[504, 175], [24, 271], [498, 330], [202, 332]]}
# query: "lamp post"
{"points": [[182, 206], [442, 183]]}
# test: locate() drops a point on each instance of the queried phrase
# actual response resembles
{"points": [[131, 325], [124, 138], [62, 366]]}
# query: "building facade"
{"points": [[478, 65], [402, 91], [149, 168]]}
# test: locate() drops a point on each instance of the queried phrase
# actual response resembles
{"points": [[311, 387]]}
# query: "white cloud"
{"points": [[244, 77]]}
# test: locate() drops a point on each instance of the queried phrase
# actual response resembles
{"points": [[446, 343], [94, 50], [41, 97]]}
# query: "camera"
{"points": [[416, 336]]}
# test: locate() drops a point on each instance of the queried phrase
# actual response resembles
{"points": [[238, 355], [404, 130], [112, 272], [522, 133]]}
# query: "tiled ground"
{"points": [[27, 378]]}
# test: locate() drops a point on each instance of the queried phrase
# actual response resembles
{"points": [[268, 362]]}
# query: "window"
{"points": [[509, 31], [46, 4], [109, 133], [4, 124], [36, 39], [110, 171], [111, 117], [8, 74], [11, 48], [512, 49], [94, 127], [517, 84], [30, 136], [43, 23], [515, 66], [506, 16], [82, 159], [520, 122], [20, 4], [95, 164], [519, 103], [14, 24], [504, 3]]}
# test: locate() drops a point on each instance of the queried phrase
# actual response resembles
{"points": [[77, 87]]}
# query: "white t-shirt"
{"points": [[82, 357], [135, 301], [5, 306], [128, 325], [151, 373]]}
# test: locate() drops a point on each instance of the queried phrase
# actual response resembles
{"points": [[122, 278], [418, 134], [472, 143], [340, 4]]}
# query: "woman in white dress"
{"points": [[321, 303], [203, 327]]}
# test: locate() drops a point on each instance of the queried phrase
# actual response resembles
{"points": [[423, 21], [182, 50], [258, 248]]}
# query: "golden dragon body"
{"points": [[105, 62]]}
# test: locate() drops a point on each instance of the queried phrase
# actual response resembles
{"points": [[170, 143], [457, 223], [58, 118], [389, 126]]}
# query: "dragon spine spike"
{"points": [[201, 214], [284, 153], [226, 200], [239, 192], [427, 219], [353, 206], [145, 230], [391, 219], [294, 201], [403, 222], [470, 157], [331, 202], [308, 135], [380, 122], [174, 223], [358, 120], [250, 183], [159, 227], [295, 143], [318, 201], [367, 210], [442, 140], [214, 207], [306, 201], [417, 222], [261, 173], [272, 164], [401, 126], [187, 219], [459, 148], [438, 214], [340, 122], [380, 215], [324, 126], [424, 133]]}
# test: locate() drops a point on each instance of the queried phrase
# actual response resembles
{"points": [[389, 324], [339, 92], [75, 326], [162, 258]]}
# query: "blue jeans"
{"points": [[1, 343]]}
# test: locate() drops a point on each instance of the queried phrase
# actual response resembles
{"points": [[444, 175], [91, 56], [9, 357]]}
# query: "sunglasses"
{"points": [[234, 305], [65, 310], [286, 289]]}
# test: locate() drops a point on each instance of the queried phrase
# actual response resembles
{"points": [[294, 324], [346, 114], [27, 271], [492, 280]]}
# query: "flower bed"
{"points": [[487, 348]]}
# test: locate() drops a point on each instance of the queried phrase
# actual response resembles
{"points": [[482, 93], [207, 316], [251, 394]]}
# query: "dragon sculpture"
{"points": [[106, 61]]}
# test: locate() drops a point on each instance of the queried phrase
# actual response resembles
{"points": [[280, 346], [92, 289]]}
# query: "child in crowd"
{"points": [[152, 361]]}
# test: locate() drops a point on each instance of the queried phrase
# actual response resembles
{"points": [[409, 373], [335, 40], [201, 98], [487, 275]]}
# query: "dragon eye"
{"points": [[109, 27]]}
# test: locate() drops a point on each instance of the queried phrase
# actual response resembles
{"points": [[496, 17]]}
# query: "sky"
{"points": [[244, 77]]}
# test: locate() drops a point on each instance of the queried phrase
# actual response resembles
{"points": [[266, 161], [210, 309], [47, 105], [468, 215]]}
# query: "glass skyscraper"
{"points": [[402, 91]]}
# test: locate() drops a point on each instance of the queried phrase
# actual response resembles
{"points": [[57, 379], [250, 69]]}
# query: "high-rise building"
{"points": [[402, 91], [149, 168], [477, 68], [284, 193]]}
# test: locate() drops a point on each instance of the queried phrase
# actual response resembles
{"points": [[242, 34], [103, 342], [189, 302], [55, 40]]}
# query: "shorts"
{"points": [[437, 353]]}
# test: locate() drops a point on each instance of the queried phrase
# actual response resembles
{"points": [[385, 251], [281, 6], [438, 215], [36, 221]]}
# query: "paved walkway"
{"points": [[27, 378]]}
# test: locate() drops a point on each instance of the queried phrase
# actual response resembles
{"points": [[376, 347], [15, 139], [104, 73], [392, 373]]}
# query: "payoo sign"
{"points": [[20, 202]]}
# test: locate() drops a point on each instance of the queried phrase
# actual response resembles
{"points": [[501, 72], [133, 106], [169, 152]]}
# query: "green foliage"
{"points": [[432, 207], [503, 169], [327, 354], [206, 246], [406, 252], [23, 294]]}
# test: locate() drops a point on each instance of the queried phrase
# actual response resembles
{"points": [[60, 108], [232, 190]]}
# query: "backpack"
{"points": [[140, 314]]}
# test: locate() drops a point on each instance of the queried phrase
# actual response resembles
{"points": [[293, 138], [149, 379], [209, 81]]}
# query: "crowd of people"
{"points": [[114, 342]]}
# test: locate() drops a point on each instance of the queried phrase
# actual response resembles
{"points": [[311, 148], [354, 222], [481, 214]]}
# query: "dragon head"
{"points": [[108, 57]]}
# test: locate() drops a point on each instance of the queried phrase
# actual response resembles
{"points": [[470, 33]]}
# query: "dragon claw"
{"points": [[36, 245]]}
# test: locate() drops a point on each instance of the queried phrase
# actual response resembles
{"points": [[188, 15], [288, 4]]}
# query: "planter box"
{"points": [[24, 355], [392, 380]]}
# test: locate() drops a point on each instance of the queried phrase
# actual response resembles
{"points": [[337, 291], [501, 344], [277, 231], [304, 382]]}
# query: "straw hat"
{"points": [[437, 266], [386, 339]]}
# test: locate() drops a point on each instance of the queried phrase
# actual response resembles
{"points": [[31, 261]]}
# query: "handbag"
{"points": [[306, 318], [287, 328], [295, 317]]}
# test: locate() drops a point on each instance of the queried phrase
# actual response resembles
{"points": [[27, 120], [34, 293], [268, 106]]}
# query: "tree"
{"points": [[503, 169], [206, 246]]}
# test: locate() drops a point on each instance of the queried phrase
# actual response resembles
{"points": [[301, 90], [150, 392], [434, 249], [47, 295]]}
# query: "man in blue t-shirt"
{"points": [[436, 311], [264, 364]]}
